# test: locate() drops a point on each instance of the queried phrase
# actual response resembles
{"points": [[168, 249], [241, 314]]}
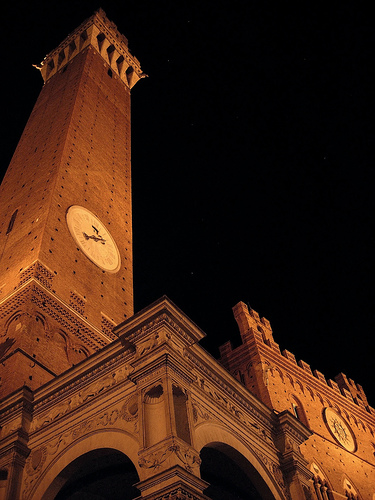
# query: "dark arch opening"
{"points": [[99, 474], [231, 476]]}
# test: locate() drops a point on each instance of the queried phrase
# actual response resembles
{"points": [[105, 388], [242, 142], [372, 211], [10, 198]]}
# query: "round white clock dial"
{"points": [[339, 429], [93, 238]]}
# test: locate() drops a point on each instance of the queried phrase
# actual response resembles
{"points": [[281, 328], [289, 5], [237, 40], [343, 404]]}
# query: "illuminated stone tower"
{"points": [[147, 413], [66, 219]]}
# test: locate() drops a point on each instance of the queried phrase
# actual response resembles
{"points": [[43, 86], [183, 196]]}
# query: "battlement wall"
{"points": [[257, 331]]}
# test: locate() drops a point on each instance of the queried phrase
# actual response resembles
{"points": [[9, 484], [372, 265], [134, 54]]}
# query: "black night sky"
{"points": [[252, 162]]}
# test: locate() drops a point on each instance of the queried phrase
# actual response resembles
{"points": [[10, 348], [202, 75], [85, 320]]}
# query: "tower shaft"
{"points": [[63, 287]]}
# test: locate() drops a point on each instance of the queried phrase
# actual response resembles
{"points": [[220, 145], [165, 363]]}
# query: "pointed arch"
{"points": [[298, 410], [321, 481], [349, 488]]}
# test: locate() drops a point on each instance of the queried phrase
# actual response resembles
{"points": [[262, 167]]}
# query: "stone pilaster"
{"points": [[290, 434], [15, 420], [169, 462]]}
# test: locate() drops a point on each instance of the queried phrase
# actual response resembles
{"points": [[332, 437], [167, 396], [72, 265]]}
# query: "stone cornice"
{"points": [[164, 360], [165, 313], [163, 308], [21, 399], [87, 371], [101, 34]]}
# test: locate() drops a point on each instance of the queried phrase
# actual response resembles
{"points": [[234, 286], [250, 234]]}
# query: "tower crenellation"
{"points": [[103, 36]]}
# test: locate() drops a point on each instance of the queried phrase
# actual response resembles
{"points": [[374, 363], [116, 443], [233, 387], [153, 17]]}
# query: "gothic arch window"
{"points": [[15, 316], [298, 410], [320, 482], [350, 490], [321, 487]]}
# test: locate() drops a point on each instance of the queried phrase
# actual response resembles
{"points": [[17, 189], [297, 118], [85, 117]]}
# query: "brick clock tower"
{"points": [[99, 402], [66, 218]]}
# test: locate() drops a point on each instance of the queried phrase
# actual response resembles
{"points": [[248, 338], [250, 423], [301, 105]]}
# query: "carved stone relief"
{"points": [[90, 392], [225, 402], [188, 457]]}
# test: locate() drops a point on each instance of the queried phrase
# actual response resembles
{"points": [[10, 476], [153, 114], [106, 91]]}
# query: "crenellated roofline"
{"points": [[100, 33]]}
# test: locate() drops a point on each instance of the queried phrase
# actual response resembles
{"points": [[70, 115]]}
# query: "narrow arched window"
{"points": [[12, 221], [295, 411]]}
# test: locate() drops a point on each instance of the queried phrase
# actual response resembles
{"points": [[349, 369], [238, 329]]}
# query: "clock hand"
{"points": [[95, 238], [100, 238]]}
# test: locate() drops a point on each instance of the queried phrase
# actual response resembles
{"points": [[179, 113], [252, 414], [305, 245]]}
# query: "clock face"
{"points": [[93, 238], [339, 429]]}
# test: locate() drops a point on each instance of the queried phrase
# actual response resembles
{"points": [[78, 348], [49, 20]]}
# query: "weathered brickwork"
{"points": [[282, 384]]}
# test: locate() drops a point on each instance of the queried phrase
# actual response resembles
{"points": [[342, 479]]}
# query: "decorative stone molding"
{"points": [[107, 327], [130, 409], [39, 272], [77, 302], [235, 410], [77, 399], [187, 456], [163, 312], [173, 484], [178, 494], [290, 434]]}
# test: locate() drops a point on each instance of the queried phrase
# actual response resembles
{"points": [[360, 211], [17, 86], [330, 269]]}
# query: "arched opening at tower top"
{"points": [[96, 475], [231, 476]]}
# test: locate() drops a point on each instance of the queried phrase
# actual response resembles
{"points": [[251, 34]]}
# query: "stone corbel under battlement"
{"points": [[101, 34]]}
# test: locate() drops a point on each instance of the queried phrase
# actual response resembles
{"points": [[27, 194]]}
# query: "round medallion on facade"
{"points": [[93, 238], [340, 429]]}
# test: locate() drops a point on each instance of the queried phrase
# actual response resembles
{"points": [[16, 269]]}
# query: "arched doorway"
{"points": [[99, 474], [230, 475]]}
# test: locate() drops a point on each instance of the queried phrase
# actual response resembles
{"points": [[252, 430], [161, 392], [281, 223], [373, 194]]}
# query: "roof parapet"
{"points": [[252, 327], [100, 33]]}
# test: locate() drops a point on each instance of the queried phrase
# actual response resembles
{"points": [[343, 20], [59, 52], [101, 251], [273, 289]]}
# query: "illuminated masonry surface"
{"points": [[99, 402]]}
